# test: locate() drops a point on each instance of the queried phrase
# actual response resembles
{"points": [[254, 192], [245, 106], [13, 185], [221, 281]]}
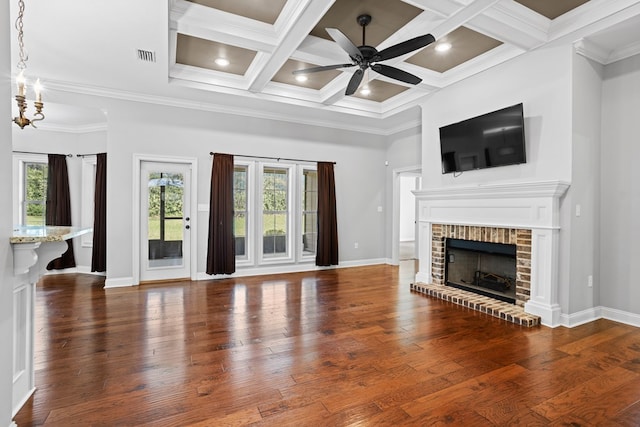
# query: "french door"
{"points": [[165, 239]]}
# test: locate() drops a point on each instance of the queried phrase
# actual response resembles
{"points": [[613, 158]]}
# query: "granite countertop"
{"points": [[49, 233]]}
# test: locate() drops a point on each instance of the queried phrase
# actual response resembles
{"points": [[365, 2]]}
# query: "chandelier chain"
{"points": [[24, 57]]}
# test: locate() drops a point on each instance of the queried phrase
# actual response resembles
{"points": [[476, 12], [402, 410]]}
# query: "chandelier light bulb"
{"points": [[22, 83], [37, 88]]}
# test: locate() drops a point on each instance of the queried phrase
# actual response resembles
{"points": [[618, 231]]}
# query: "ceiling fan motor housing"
{"points": [[364, 20]]}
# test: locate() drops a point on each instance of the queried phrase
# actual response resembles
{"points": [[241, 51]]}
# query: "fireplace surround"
{"points": [[526, 214]]}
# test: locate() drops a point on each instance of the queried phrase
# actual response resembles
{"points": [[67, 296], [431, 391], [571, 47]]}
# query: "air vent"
{"points": [[146, 55]]}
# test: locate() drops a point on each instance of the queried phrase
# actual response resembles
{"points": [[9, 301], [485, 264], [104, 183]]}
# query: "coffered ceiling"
{"points": [[165, 51], [265, 44]]}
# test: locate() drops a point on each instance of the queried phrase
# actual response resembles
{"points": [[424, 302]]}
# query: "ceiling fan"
{"points": [[368, 56]]}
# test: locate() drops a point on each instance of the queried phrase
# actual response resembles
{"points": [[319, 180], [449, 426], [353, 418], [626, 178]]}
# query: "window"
{"points": [[240, 209], [309, 211], [275, 211], [30, 194]]}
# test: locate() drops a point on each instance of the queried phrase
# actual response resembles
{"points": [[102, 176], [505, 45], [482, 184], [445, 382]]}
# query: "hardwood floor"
{"points": [[337, 347]]}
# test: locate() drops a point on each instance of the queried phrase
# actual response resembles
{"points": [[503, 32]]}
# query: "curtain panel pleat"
{"points": [[58, 206], [221, 257], [327, 250], [99, 250]]}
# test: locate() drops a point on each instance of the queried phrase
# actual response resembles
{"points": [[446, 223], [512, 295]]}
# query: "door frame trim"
{"points": [[416, 171], [138, 159]]}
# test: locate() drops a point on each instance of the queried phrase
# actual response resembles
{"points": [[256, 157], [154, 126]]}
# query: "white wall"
{"points": [[583, 198], [407, 209], [542, 81], [6, 254], [620, 183], [135, 128], [403, 151], [38, 140]]}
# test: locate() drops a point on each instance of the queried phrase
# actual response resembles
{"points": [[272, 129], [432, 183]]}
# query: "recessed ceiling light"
{"points": [[223, 62], [301, 78], [443, 47], [365, 91]]}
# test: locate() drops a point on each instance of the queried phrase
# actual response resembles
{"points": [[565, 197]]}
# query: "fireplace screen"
{"points": [[484, 268]]}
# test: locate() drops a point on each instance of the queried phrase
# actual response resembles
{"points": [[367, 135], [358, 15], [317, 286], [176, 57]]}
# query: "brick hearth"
{"points": [[502, 310]]}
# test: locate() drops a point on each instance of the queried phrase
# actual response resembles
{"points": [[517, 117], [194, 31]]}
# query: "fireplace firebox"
{"points": [[484, 268]]}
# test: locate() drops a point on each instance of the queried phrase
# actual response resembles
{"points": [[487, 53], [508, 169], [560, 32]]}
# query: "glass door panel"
{"points": [[164, 221]]}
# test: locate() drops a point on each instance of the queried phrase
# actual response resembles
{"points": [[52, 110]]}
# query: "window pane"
{"points": [[309, 212], [165, 216], [309, 233], [240, 209], [35, 189], [275, 211], [240, 233]]}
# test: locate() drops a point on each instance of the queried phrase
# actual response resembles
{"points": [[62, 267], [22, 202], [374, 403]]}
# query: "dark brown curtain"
{"points": [[58, 211], [99, 251], [221, 257], [327, 252]]}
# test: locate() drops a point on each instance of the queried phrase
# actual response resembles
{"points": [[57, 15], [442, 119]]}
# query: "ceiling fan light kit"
{"points": [[365, 56]]}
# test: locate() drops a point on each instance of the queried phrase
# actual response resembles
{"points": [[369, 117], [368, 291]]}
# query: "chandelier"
{"points": [[21, 97]]}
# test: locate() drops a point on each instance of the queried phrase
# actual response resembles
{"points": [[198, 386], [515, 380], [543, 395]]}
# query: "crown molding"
{"points": [[376, 125], [76, 129]]}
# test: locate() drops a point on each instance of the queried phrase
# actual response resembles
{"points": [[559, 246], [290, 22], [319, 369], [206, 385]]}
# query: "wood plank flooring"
{"points": [[337, 347]]}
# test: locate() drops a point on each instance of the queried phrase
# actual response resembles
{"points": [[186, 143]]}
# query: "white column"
{"points": [[424, 265], [544, 277]]}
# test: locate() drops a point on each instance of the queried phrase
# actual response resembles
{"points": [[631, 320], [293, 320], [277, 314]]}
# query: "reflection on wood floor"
{"points": [[334, 347]]}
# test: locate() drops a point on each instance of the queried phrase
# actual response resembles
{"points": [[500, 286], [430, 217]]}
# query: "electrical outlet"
{"points": [[355, 245], [590, 281]]}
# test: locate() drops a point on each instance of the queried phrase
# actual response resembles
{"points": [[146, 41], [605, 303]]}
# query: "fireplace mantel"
{"points": [[523, 205]]}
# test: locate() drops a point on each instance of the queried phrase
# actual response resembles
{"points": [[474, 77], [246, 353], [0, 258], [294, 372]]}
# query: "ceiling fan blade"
{"points": [[396, 73], [354, 82], [323, 68], [346, 44], [404, 47]]}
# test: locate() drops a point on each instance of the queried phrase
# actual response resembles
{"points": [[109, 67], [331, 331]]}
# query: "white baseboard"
{"points": [[595, 313], [291, 268], [616, 315], [581, 317], [63, 271], [118, 282], [362, 262], [86, 269]]}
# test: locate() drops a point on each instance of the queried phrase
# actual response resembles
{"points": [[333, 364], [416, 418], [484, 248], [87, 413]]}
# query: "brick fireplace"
{"points": [[524, 214]]}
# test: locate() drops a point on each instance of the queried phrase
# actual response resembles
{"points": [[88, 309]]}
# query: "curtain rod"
{"points": [[35, 152], [211, 153], [87, 155]]}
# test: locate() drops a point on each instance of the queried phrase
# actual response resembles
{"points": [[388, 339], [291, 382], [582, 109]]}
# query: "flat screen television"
{"points": [[490, 140]]}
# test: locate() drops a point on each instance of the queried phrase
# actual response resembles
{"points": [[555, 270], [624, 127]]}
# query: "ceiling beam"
{"points": [[294, 29]]}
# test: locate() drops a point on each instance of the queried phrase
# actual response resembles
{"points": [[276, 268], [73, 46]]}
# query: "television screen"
{"points": [[493, 139]]}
